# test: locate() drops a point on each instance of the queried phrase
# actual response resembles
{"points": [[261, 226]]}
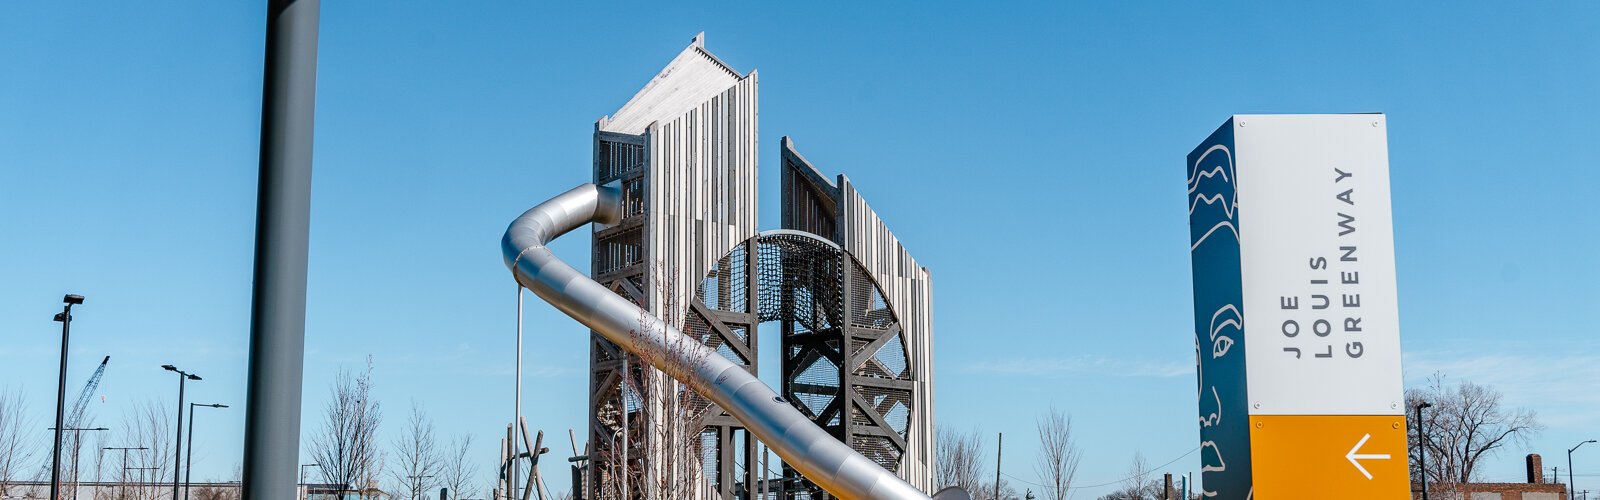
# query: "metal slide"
{"points": [[824, 460]]}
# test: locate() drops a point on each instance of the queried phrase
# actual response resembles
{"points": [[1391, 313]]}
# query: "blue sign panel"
{"points": [[1219, 317]]}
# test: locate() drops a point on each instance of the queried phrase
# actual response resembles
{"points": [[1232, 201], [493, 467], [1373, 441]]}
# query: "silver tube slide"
{"points": [[824, 460]]}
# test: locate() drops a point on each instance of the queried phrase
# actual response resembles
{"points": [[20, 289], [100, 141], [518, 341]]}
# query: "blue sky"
{"points": [[1031, 155]]}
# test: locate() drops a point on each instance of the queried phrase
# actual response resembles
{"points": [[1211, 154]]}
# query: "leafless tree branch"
{"points": [[1059, 454], [960, 459], [1466, 424], [459, 474], [417, 463], [16, 437], [346, 445]]}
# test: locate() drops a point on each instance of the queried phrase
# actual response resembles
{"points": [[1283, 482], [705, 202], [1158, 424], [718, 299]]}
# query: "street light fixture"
{"points": [[1422, 447], [177, 445], [125, 474], [124, 450], [1570, 488], [188, 461], [77, 444], [303, 478], [65, 318]]}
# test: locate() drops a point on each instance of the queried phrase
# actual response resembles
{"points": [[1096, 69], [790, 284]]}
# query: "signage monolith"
{"points": [[1296, 314]]}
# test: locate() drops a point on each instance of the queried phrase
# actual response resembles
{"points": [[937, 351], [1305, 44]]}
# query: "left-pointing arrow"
{"points": [[1353, 456]]}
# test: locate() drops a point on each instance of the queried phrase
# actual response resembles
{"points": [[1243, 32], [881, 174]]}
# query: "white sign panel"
{"points": [[1316, 243]]}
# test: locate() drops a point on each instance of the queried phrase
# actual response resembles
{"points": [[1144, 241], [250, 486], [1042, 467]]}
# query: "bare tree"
{"points": [[986, 491], [676, 438], [459, 474], [1465, 424], [346, 446], [214, 492], [221, 492], [417, 463], [1059, 454], [1138, 483], [960, 459], [666, 417], [16, 437], [147, 426], [101, 441]]}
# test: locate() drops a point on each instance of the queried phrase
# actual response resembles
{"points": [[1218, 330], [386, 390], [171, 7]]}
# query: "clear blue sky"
{"points": [[1030, 155]]}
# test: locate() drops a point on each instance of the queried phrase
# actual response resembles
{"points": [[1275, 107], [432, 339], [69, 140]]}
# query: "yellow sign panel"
{"points": [[1329, 456]]}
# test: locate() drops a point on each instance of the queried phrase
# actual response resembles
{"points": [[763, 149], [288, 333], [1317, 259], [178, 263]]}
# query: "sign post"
{"points": [[1296, 315]]}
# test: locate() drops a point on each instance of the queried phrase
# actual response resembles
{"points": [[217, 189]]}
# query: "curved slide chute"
{"points": [[824, 460]]}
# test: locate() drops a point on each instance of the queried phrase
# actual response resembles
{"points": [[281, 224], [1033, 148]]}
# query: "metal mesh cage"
{"points": [[710, 460], [620, 250], [619, 158], [633, 202], [868, 309], [724, 287], [878, 449], [886, 402], [889, 361], [798, 281], [698, 327], [816, 386], [801, 281]]}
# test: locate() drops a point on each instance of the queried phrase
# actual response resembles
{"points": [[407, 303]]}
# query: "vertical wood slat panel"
{"points": [[908, 288], [698, 182], [816, 204]]}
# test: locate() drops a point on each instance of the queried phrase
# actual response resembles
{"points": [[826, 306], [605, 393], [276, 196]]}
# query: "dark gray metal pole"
{"points": [[61, 394], [177, 444], [1422, 448], [188, 455], [188, 450], [61, 397], [1570, 488], [283, 219]]}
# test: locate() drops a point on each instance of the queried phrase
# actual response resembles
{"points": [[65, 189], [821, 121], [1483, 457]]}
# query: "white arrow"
{"points": [[1353, 456]]}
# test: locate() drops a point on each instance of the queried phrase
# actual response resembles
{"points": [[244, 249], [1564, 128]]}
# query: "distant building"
{"points": [[40, 490], [111, 490], [1536, 488], [331, 492]]}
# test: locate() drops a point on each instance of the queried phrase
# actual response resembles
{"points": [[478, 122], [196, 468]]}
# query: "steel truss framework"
{"points": [[804, 284], [845, 363], [853, 307]]}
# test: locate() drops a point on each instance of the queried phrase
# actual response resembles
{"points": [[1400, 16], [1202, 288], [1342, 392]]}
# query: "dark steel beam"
{"points": [[283, 220]]}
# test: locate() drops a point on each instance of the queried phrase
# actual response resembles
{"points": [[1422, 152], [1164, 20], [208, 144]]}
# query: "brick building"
{"points": [[1536, 488]]}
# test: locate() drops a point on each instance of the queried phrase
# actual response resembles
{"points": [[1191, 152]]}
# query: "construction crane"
{"points": [[75, 418]]}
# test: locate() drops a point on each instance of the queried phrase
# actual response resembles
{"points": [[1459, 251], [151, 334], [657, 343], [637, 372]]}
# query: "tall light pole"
{"points": [[1422, 447], [177, 445], [188, 454], [1570, 488], [124, 451], [303, 477], [516, 417], [65, 318], [77, 444]]}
